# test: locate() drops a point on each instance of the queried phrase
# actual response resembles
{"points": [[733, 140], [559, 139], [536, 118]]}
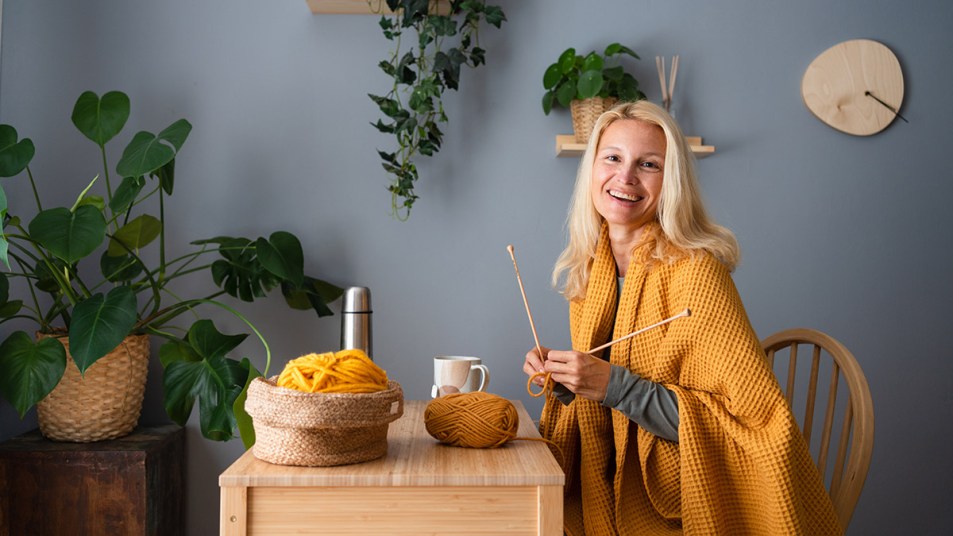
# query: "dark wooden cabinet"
{"points": [[133, 485]]}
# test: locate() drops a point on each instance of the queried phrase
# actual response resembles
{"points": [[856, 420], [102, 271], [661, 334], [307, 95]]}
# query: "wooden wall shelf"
{"points": [[566, 146], [359, 7]]}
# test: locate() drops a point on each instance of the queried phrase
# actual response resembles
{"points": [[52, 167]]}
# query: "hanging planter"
{"points": [[442, 44]]}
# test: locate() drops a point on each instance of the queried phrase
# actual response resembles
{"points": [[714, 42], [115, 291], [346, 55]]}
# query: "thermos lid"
{"points": [[356, 300]]}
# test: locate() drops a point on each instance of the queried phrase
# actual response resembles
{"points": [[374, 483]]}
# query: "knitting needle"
{"points": [[685, 313], [532, 324]]}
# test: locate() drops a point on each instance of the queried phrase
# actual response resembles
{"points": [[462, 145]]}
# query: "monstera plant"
{"points": [[101, 269]]}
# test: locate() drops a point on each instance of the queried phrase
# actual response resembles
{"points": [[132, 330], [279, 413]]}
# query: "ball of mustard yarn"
{"points": [[474, 420]]}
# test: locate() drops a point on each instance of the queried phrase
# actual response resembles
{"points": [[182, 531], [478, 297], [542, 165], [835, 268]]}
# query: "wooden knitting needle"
{"points": [[532, 325], [685, 313]]}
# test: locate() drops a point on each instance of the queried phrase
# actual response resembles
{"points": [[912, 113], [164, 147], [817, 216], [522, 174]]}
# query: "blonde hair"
{"points": [[686, 228]]}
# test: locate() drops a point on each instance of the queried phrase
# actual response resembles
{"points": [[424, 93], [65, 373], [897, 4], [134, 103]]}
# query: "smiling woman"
{"points": [[691, 409]]}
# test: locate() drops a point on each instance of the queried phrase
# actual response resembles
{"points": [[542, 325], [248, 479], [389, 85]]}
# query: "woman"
{"points": [[683, 428]]}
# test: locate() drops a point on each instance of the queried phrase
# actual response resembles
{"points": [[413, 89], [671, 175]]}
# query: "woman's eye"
{"points": [[612, 158], [650, 166]]}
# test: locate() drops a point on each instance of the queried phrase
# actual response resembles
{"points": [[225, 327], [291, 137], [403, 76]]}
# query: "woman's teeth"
{"points": [[627, 197]]}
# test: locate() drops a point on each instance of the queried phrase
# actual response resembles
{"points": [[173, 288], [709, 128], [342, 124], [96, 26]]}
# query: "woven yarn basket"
{"points": [[321, 429], [103, 404], [585, 112]]}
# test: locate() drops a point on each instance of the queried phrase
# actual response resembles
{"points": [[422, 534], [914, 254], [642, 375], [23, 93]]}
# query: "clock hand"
{"points": [[887, 106]]}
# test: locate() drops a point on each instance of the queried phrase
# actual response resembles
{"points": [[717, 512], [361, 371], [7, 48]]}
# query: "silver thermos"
{"points": [[356, 320]]}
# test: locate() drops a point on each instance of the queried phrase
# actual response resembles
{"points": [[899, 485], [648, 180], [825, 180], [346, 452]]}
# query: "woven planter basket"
{"points": [[321, 429], [105, 403], [585, 113]]}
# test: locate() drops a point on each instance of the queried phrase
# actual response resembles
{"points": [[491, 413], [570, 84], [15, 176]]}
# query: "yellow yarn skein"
{"points": [[346, 371], [475, 420]]}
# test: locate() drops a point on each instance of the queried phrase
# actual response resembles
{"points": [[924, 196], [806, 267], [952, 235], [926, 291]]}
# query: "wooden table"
{"points": [[420, 487]]}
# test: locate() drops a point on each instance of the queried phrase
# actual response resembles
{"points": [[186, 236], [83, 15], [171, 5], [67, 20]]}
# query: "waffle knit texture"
{"points": [[741, 465]]}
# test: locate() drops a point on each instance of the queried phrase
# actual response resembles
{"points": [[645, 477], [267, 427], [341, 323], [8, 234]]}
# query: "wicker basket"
{"points": [[105, 403], [321, 429], [585, 113]]}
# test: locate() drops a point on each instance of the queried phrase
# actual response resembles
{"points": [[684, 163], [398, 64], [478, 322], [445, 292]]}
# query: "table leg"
{"points": [[550, 510], [234, 511]]}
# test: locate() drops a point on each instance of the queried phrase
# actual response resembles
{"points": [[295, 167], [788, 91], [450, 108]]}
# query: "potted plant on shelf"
{"points": [[589, 85], [96, 280], [443, 41]]}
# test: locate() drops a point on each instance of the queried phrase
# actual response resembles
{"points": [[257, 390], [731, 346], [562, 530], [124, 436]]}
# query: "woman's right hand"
{"points": [[534, 364]]}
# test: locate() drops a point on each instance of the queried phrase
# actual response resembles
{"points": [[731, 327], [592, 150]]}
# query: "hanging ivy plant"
{"points": [[441, 43]]}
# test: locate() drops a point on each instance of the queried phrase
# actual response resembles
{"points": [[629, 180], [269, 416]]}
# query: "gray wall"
{"points": [[846, 234]]}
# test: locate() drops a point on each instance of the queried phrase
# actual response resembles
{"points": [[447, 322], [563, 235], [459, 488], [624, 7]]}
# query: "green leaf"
{"points": [[567, 61], [549, 98], [15, 155], [208, 342], [590, 83], [4, 244], [101, 119], [494, 16], [565, 93], [613, 49], [629, 51], [313, 294], [4, 288], [177, 350], [240, 274], [126, 193], [95, 201], [122, 268], [10, 308], [592, 62], [69, 235], [552, 76], [216, 382], [100, 324], [281, 255], [29, 370], [146, 152], [134, 235], [244, 421], [166, 176]]}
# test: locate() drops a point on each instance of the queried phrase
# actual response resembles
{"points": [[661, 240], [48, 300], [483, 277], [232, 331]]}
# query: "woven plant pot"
{"points": [[585, 112], [105, 403], [321, 429]]}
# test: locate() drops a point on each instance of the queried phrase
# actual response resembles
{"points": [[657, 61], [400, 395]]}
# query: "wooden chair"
{"points": [[855, 413]]}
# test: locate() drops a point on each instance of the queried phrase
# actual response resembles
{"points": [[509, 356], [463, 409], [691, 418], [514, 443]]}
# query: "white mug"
{"points": [[458, 374]]}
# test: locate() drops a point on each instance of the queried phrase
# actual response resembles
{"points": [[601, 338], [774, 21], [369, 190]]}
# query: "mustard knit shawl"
{"points": [[741, 465]]}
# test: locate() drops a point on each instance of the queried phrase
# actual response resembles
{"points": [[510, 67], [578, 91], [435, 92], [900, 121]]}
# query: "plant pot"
{"points": [[585, 112], [105, 403]]}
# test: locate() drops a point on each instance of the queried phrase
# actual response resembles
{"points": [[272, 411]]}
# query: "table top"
{"points": [[414, 458]]}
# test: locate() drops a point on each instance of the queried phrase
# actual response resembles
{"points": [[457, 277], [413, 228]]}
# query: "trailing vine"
{"points": [[443, 43]]}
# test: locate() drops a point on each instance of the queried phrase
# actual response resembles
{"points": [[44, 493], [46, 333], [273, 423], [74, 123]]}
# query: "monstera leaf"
{"points": [[101, 119], [99, 324], [67, 234], [29, 369], [196, 367]]}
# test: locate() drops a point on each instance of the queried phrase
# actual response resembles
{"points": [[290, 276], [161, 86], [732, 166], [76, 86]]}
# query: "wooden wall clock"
{"points": [[855, 87]]}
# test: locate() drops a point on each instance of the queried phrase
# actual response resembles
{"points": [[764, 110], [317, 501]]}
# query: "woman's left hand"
{"points": [[585, 375]]}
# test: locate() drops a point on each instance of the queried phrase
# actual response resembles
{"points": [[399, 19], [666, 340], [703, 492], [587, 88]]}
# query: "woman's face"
{"points": [[627, 174]]}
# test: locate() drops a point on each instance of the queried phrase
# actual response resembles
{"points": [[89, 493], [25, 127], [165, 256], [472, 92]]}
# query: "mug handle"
{"points": [[484, 376]]}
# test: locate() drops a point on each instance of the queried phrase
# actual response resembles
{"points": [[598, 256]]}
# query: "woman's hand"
{"points": [[583, 374], [534, 364]]}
